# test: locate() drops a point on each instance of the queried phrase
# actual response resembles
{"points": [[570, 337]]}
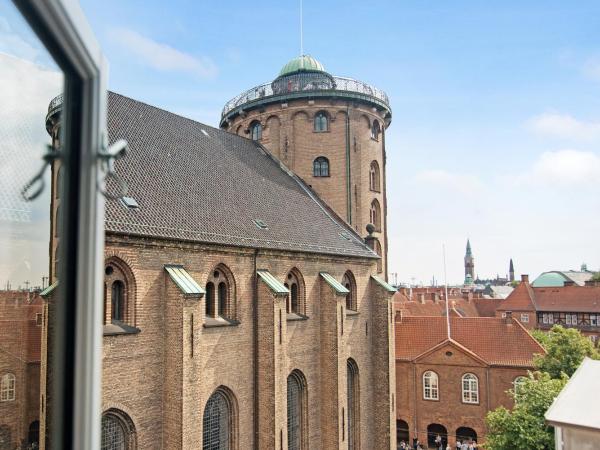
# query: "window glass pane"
{"points": [[29, 232]]}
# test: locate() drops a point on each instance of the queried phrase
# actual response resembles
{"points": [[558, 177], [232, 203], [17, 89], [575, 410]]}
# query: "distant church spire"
{"points": [[469, 264], [511, 271]]}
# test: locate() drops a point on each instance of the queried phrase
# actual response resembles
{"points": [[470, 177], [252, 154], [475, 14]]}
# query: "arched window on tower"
{"points": [[321, 122], [376, 215], [379, 252], [256, 131], [375, 130], [321, 167], [374, 180]]}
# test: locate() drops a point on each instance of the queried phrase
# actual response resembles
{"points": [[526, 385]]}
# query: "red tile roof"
{"points": [[558, 299], [494, 340], [459, 307]]}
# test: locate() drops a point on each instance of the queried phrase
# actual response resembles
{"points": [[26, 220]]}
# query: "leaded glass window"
{"points": [[113, 433], [353, 404], [294, 412], [216, 425]]}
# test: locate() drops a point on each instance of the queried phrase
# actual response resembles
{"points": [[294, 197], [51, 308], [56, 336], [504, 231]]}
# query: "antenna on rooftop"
{"points": [[301, 32], [446, 289]]}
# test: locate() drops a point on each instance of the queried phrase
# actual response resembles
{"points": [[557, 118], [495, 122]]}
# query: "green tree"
{"points": [[596, 276], [566, 348], [541, 337], [524, 427]]}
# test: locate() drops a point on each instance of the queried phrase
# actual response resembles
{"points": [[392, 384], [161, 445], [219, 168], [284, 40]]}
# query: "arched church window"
{"points": [[219, 421], [295, 300], [119, 292], [349, 283], [321, 121], [321, 167], [220, 294], [296, 411], [7, 387]]}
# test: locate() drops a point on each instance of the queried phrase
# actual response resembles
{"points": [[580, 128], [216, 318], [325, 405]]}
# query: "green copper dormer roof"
{"points": [[304, 63]]}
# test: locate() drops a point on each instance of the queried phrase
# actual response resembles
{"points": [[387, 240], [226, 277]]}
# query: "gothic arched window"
{"points": [[118, 300], [374, 180], [430, 386], [321, 167], [321, 121], [353, 395], [349, 283], [7, 387], [375, 130], [220, 294], [256, 131], [295, 300], [376, 215], [218, 422], [470, 388], [296, 411]]}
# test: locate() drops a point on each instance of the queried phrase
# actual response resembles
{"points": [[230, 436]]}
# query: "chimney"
{"points": [[524, 278], [508, 317], [569, 283]]}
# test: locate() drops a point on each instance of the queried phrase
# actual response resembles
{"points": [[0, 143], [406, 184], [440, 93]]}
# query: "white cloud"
{"points": [[162, 56], [467, 184], [564, 168], [564, 126], [591, 68]]}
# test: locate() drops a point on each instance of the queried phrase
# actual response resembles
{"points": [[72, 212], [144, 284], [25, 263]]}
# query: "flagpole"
{"points": [[446, 288]]}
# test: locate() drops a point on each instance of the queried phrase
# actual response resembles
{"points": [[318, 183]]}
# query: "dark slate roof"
{"points": [[198, 183]]}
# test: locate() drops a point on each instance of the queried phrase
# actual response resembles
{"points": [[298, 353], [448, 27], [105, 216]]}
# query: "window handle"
{"points": [[107, 156], [36, 185]]}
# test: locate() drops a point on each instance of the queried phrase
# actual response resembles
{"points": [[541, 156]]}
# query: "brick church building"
{"points": [[245, 305]]}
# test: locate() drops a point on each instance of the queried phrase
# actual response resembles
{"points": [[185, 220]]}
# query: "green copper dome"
{"points": [[304, 63]]}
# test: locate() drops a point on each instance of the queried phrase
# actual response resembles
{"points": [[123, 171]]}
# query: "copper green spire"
{"points": [[304, 63], [468, 248]]}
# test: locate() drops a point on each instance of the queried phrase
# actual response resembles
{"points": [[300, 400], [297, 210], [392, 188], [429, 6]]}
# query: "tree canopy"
{"points": [[566, 348], [524, 427]]}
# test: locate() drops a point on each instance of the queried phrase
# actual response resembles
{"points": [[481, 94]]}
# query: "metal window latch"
{"points": [[34, 187], [107, 156]]}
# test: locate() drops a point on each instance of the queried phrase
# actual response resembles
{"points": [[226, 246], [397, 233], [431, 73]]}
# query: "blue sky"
{"points": [[496, 113]]}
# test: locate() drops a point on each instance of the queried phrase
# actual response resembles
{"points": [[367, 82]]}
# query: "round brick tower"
{"points": [[330, 131]]}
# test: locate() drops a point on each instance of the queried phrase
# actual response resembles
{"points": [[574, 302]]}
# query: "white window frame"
{"points": [[470, 394], [594, 322], [518, 381], [571, 319], [76, 359], [431, 387], [8, 387], [525, 317]]}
